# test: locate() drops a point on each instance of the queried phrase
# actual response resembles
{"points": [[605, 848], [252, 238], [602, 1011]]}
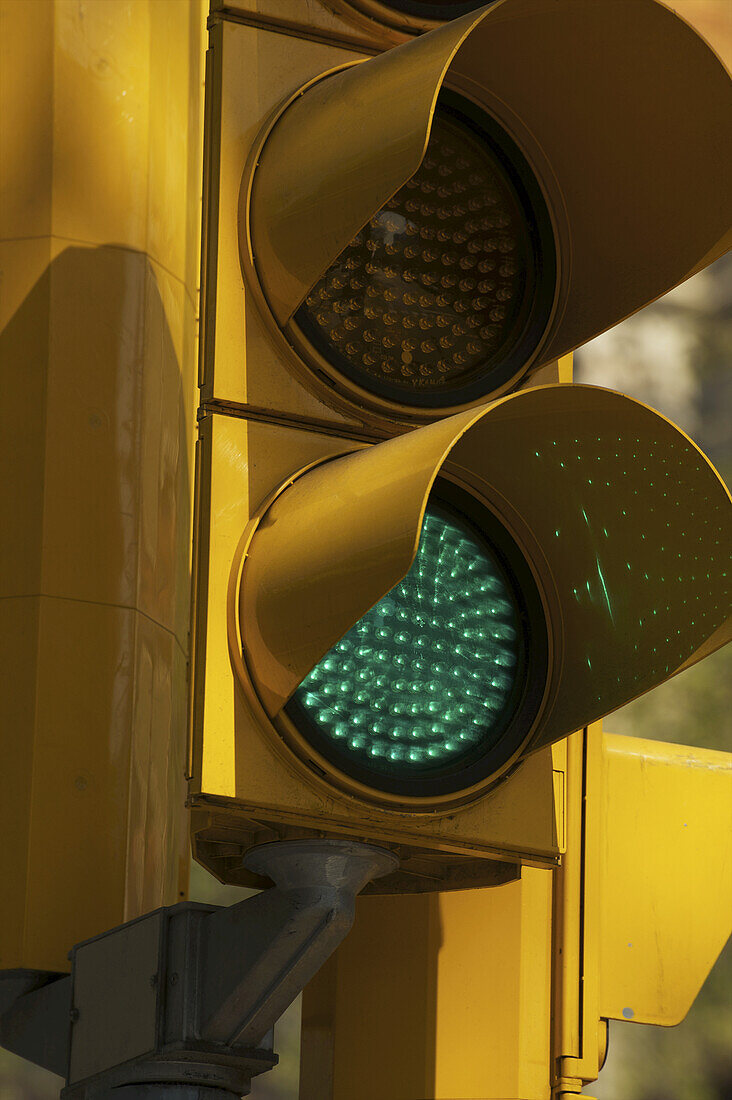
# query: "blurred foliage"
{"points": [[20, 1080]]}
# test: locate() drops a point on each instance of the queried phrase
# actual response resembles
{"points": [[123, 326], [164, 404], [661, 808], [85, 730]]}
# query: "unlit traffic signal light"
{"points": [[426, 229]]}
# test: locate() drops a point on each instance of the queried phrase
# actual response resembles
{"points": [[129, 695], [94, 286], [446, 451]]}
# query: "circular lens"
{"points": [[441, 297], [424, 685]]}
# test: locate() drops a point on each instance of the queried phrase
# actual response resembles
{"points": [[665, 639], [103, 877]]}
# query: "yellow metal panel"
{"points": [[164, 437], [435, 975], [579, 1034], [236, 755], [125, 426], [249, 73], [568, 912], [28, 260], [156, 867], [666, 876], [174, 148], [237, 460], [94, 774], [90, 106], [103, 845], [493, 991], [79, 800], [98, 410]]}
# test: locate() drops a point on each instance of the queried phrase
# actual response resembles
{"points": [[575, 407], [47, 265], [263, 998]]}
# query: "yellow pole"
{"points": [[99, 226]]}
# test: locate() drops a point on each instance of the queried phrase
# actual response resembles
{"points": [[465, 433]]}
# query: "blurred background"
{"points": [[675, 356]]}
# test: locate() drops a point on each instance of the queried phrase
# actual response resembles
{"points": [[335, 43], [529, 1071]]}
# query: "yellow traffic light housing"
{"points": [[317, 503], [418, 253], [548, 585]]}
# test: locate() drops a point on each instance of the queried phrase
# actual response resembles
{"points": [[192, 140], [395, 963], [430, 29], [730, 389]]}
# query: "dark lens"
{"points": [[430, 302]]}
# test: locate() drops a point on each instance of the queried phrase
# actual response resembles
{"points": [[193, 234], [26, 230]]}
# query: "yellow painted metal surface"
{"points": [[249, 72], [99, 253], [665, 876], [643, 897], [579, 1035], [428, 979], [238, 460]]}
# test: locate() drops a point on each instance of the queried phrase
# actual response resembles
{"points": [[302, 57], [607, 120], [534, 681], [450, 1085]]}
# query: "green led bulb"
{"points": [[423, 683]]}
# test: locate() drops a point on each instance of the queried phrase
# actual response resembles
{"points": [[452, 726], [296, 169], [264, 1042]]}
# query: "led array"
{"points": [[427, 294], [422, 681]]}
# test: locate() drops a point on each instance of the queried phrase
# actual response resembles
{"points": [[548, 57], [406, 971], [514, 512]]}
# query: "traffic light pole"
{"points": [[182, 1002]]}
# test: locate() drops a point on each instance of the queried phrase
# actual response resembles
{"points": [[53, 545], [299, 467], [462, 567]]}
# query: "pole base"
{"points": [[170, 1080]]}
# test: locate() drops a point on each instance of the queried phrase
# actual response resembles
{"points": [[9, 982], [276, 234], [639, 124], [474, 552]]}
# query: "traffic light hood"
{"points": [[622, 521], [617, 108]]}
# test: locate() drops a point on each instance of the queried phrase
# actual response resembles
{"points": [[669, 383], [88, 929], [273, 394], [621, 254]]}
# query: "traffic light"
{"points": [[417, 566]]}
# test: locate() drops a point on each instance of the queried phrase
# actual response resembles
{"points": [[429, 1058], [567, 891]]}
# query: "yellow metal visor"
{"points": [[623, 522], [618, 108]]}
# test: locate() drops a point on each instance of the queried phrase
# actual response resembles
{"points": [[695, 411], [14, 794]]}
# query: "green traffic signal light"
{"points": [[421, 691]]}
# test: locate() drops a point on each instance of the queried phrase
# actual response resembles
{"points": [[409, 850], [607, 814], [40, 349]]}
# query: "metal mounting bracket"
{"points": [[182, 1002]]}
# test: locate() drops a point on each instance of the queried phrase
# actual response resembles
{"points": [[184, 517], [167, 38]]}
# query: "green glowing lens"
{"points": [[425, 682]]}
